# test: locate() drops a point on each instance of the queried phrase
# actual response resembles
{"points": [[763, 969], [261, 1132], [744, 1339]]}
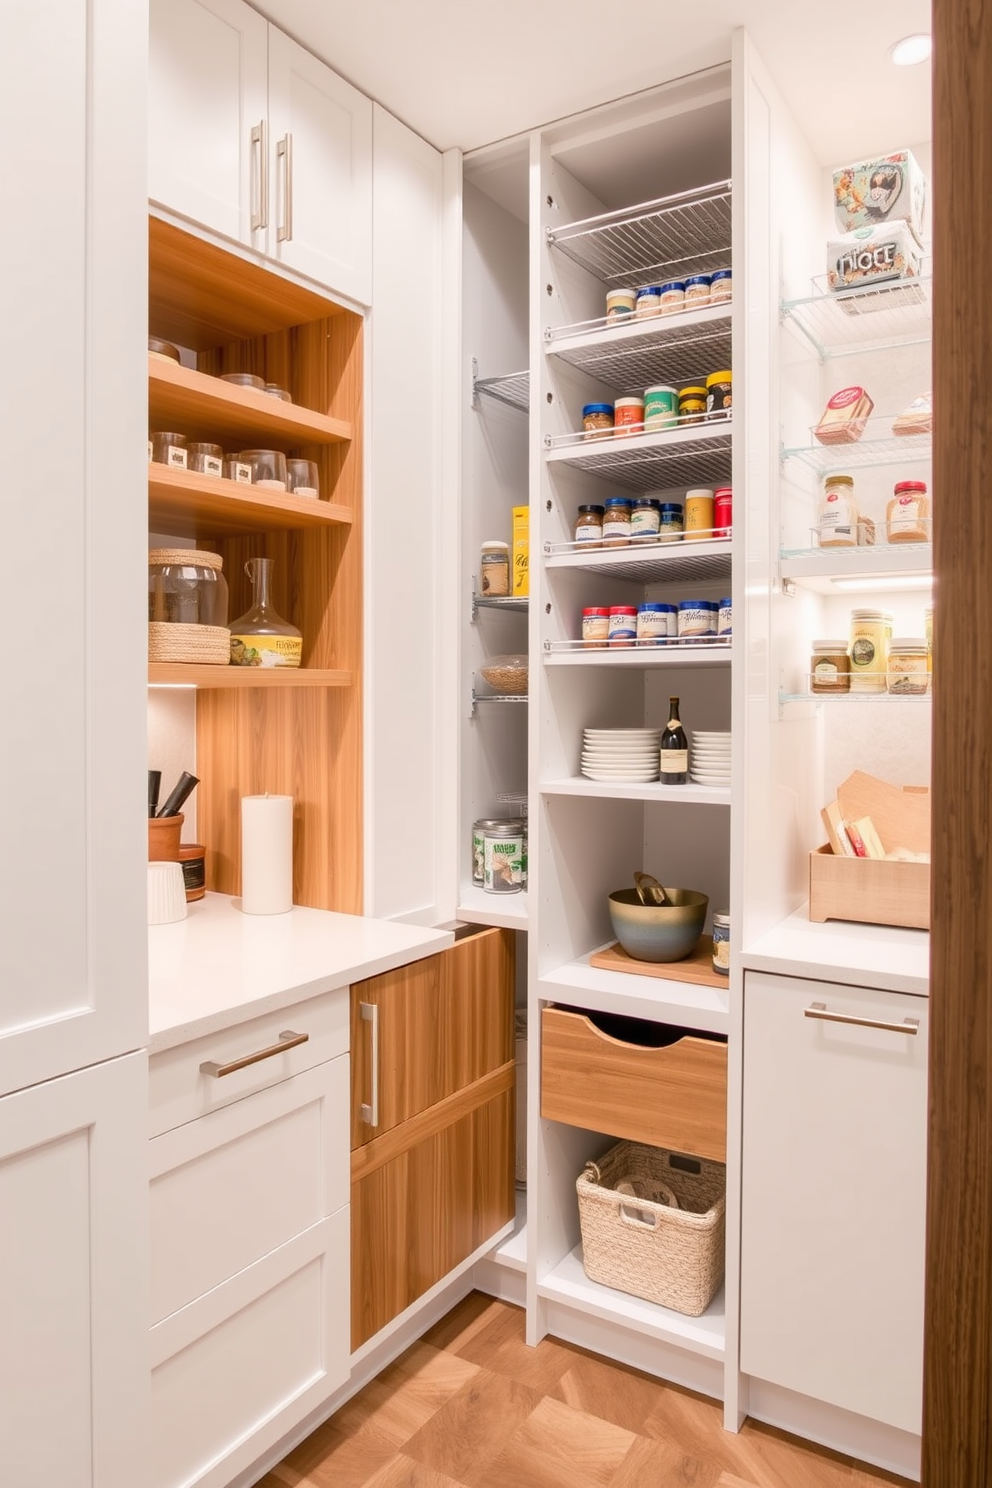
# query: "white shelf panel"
{"points": [[666, 238], [615, 790], [630, 355], [882, 956], [904, 700], [699, 455], [817, 568], [512, 1252], [686, 1004], [648, 563], [871, 319], [704, 1335], [506, 911], [580, 654], [907, 449]]}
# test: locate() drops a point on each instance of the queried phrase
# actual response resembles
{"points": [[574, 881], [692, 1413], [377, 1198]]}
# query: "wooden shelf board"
{"points": [[204, 504], [200, 406], [191, 674], [697, 968]]}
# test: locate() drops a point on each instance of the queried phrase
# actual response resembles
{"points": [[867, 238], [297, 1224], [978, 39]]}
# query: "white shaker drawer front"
{"points": [[236, 1371], [181, 1088], [229, 1188]]}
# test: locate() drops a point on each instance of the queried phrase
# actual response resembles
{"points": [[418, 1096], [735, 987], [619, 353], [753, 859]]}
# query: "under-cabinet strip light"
{"points": [[885, 581]]}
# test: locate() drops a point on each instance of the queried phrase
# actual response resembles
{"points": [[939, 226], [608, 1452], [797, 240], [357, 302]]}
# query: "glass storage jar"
{"points": [[187, 607]]}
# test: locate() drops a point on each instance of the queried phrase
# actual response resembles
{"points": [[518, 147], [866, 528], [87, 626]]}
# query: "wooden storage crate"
{"points": [[869, 891]]}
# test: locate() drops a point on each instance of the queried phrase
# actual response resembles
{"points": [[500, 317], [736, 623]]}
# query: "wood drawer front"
{"points": [[417, 1216], [180, 1091], [674, 1097], [443, 1023], [236, 1371], [236, 1184]]}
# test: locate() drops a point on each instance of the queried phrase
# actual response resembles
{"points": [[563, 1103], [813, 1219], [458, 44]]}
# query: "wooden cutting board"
{"points": [[901, 815], [696, 968]]}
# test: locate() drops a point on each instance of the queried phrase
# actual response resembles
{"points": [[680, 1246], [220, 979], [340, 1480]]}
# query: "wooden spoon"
{"points": [[649, 890]]}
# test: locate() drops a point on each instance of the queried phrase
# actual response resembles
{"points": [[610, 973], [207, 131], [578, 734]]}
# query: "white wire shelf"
{"points": [[515, 603], [631, 355], [700, 455], [707, 651], [513, 390], [824, 569], [496, 697], [875, 318], [907, 449], [648, 563], [666, 238]]}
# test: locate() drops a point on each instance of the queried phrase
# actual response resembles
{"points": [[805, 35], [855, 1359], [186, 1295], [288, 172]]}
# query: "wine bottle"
{"points": [[674, 748]]}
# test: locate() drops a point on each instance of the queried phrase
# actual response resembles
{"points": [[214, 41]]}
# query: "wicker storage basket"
{"points": [[208, 644], [631, 1241]]}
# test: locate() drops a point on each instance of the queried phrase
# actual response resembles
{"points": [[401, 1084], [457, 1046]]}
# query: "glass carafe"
{"points": [[261, 637]]}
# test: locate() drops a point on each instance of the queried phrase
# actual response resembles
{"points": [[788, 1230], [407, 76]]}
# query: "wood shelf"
{"points": [[201, 406], [194, 505], [192, 674]]}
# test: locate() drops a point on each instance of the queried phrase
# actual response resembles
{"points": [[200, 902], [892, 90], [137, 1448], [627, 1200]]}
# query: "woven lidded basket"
{"points": [[207, 644], [636, 1239]]}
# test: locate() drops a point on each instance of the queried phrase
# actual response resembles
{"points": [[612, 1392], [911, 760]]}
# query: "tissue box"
{"points": [[885, 189], [873, 256]]}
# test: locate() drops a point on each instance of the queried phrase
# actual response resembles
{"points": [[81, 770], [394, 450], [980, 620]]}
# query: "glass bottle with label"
{"points": [[674, 748], [261, 637]]}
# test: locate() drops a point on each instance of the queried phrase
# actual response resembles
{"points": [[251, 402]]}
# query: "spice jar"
{"points": [[672, 296], [192, 856], [692, 404], [830, 667], [302, 477], [661, 407], [907, 674], [494, 569], [721, 944], [208, 459], [595, 626], [837, 518], [721, 286], [699, 506], [616, 520], [871, 632], [648, 301], [619, 304], [697, 291], [719, 394], [597, 420], [645, 519], [671, 517], [589, 526], [169, 449], [907, 516], [628, 416]]}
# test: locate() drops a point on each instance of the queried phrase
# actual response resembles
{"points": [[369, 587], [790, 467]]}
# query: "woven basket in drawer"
{"points": [[666, 1254]]}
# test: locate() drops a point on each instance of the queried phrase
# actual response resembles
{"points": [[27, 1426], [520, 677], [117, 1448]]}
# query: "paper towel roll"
{"points": [[266, 854]]}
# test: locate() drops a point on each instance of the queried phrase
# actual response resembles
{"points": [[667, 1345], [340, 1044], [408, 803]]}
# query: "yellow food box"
{"points": [[521, 550]]}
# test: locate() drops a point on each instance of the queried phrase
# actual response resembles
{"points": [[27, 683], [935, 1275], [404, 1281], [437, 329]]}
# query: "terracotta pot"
{"points": [[164, 833]]}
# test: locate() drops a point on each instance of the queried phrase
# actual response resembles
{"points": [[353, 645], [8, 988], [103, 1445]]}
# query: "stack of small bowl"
{"points": [[629, 755], [709, 759]]}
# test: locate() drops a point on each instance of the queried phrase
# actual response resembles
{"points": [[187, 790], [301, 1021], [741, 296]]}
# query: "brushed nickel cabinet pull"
{"points": [[819, 1010], [284, 149], [287, 1040], [370, 1111], [260, 218]]}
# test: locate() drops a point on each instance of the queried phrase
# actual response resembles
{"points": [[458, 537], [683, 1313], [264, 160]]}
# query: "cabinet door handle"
{"points": [[284, 149], [370, 1014], [819, 1010], [260, 152], [287, 1040]]}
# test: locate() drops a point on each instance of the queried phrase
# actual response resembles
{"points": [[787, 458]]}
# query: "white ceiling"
{"points": [[465, 73]]}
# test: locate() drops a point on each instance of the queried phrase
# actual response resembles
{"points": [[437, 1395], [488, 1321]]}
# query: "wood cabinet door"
{"points": [[424, 1031], [207, 92], [320, 152], [73, 1245], [419, 1214], [834, 1190]]}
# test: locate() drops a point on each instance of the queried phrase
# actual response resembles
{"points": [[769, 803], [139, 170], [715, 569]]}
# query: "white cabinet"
{"points": [[834, 1189], [252, 137], [249, 1244], [73, 1389]]}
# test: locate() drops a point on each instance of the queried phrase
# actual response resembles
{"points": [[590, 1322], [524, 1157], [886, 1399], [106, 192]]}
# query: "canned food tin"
{"points": [[721, 944], [723, 512], [698, 514], [478, 856], [504, 860], [661, 407]]}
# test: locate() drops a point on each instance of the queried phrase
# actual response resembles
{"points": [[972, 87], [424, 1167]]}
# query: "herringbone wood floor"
{"points": [[471, 1406]]}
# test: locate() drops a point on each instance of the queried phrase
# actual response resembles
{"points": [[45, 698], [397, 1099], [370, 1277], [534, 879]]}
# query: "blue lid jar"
{"points": [[697, 279], [643, 501], [648, 289], [673, 286], [597, 408], [699, 604], [655, 608], [721, 274], [672, 506], [612, 502]]}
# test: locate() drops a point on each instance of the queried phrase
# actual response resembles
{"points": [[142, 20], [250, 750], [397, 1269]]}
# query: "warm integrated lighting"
{"points": [[911, 49], [885, 581]]}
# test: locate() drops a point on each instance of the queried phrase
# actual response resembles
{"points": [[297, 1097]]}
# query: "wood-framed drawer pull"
{"points": [[820, 1010], [287, 1040]]}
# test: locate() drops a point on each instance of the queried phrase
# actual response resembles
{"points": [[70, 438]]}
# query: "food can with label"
{"points": [[504, 859], [697, 619], [661, 407], [721, 944], [723, 512], [699, 505], [478, 855], [623, 625], [595, 626], [871, 632], [652, 624]]}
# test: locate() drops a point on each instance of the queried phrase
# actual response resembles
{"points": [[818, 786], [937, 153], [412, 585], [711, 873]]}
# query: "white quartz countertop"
{"points": [[880, 956], [219, 967]]}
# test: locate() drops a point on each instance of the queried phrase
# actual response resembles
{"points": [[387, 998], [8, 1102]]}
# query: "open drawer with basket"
{"points": [[646, 1082]]}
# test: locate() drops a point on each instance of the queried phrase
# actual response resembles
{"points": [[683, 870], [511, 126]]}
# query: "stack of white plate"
{"points": [[620, 754], [709, 759]]}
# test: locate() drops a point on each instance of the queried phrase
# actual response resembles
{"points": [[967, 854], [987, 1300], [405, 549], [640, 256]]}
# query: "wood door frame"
{"points": [[957, 1447]]}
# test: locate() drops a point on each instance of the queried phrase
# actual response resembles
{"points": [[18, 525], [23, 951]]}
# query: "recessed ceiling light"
{"points": [[911, 49]]}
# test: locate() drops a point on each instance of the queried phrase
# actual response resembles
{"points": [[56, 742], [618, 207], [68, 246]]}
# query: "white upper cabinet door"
{"points": [[834, 1194], [207, 108], [74, 304], [320, 151]]}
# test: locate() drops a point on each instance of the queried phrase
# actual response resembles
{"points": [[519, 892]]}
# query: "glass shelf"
{"points": [[669, 237], [875, 318], [630, 355], [700, 455], [906, 449], [831, 570]]}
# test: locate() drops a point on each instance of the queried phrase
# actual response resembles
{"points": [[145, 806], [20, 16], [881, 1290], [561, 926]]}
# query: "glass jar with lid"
{"points": [[187, 606], [589, 525], [908, 674], [837, 519], [494, 569], [830, 667]]}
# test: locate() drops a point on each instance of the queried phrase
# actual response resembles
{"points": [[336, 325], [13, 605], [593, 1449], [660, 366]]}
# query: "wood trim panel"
{"points": [[674, 1097], [957, 1446], [381, 1150]]}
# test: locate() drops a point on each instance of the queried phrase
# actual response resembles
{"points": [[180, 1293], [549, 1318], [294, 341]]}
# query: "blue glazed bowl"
{"points": [[658, 932]]}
